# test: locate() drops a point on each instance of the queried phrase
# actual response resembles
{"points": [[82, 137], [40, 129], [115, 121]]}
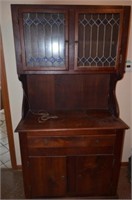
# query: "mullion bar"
{"points": [[97, 46], [111, 40]]}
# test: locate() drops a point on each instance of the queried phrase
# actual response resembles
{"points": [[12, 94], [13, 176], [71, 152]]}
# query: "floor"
{"points": [[12, 184], [5, 161]]}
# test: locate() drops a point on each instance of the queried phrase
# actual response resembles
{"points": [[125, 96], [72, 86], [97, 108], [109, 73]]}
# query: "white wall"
{"points": [[15, 91], [124, 94]]}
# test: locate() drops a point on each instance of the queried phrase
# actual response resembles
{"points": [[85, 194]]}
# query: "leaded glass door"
{"points": [[97, 39], [44, 39]]}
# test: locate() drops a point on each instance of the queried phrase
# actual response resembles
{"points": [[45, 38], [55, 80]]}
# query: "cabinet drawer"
{"points": [[72, 145]]}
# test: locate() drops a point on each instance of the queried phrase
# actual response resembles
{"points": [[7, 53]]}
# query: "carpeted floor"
{"points": [[12, 184]]}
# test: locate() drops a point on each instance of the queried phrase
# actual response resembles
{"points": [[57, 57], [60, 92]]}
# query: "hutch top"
{"points": [[70, 57]]}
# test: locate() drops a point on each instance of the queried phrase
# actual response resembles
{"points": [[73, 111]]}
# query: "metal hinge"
{"points": [[18, 21], [30, 189], [113, 162], [120, 59], [28, 164]]}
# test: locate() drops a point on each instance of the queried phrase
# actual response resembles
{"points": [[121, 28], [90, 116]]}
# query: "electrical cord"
{"points": [[45, 117]]}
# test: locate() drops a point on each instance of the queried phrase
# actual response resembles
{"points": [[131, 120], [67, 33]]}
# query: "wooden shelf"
{"points": [[77, 120]]}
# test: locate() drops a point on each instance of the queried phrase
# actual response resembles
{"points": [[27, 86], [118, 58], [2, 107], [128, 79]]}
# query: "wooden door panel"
{"points": [[93, 175], [48, 176]]}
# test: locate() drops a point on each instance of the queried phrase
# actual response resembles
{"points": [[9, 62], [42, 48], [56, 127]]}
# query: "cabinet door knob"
{"points": [[79, 176], [46, 141]]}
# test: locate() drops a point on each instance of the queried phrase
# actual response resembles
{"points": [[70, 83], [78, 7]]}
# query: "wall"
{"points": [[124, 94], [15, 91]]}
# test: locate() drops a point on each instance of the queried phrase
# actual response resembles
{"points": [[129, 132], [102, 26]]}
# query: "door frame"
{"points": [[6, 106]]}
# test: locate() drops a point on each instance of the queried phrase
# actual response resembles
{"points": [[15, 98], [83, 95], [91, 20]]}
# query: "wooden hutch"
{"points": [[69, 59]]}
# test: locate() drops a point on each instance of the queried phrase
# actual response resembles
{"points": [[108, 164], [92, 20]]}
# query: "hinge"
{"points": [[28, 164], [18, 16], [18, 21], [30, 189], [113, 162], [120, 59]]}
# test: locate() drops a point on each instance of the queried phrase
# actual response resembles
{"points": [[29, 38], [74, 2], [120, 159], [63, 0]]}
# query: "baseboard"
{"points": [[19, 167]]}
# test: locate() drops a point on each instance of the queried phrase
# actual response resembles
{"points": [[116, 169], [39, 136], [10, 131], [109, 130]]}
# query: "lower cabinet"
{"points": [[73, 176], [56, 166]]}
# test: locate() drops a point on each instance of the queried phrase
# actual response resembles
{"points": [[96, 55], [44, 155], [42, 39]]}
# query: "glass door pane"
{"points": [[44, 39], [97, 39]]}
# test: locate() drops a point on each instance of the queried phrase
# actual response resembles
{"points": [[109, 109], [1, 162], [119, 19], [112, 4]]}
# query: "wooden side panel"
{"points": [[118, 156], [17, 39], [124, 39], [25, 164]]}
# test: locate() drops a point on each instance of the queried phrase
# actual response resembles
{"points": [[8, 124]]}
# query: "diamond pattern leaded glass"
{"points": [[44, 39], [97, 39]]}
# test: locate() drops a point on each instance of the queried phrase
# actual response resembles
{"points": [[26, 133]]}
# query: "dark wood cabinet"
{"points": [[69, 60]]}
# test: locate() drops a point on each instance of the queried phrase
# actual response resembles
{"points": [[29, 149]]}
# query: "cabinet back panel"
{"points": [[66, 92]]}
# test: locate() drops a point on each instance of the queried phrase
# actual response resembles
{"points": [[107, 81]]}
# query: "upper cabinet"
{"points": [[70, 39]]}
